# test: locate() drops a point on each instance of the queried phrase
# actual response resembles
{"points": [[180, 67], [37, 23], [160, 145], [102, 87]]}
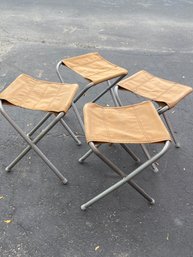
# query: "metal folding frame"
{"points": [[125, 178], [32, 142], [94, 148]]}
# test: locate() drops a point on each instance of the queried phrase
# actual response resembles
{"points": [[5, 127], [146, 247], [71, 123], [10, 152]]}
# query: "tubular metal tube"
{"points": [[70, 131], [39, 124], [78, 116], [127, 178], [109, 87], [87, 154], [167, 121], [35, 141], [32, 145], [146, 152], [131, 153]]}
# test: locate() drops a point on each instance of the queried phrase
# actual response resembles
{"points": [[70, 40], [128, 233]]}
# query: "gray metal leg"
{"points": [[116, 95], [39, 124], [177, 144], [57, 71], [78, 116], [35, 141], [87, 154], [116, 103], [162, 109], [121, 173], [32, 144], [70, 132], [131, 153], [144, 148], [107, 89], [46, 117], [81, 93], [125, 179]]}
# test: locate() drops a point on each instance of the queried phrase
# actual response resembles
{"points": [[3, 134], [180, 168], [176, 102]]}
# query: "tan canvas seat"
{"points": [[34, 94], [161, 91], [50, 97], [135, 124], [94, 69]]}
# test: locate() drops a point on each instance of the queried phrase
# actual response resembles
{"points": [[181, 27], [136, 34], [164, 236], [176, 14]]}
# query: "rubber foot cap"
{"points": [[152, 202], [83, 208]]}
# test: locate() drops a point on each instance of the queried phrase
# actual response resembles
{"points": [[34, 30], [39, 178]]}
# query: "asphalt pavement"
{"points": [[41, 217]]}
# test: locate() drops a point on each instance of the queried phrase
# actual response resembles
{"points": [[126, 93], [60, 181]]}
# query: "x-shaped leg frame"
{"points": [[125, 178], [32, 142]]}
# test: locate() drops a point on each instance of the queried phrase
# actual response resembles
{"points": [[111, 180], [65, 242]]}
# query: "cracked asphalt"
{"points": [[41, 217]]}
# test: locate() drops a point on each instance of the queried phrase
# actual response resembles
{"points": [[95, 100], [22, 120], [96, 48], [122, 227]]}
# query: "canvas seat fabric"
{"points": [[94, 67], [34, 94], [157, 89], [136, 124]]}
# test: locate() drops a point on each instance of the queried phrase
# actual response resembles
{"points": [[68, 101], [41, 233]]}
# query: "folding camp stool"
{"points": [[161, 91], [135, 124], [95, 70], [53, 98]]}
